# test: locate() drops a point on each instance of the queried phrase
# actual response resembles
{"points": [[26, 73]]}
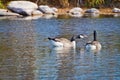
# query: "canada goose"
{"points": [[63, 42], [94, 45]]}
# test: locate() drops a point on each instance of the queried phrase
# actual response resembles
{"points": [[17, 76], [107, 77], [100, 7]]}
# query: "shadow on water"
{"points": [[25, 53]]}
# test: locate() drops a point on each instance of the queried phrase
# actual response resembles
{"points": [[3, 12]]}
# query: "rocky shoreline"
{"points": [[104, 11], [19, 8]]}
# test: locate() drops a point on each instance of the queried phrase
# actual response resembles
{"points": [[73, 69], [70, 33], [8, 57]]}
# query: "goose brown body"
{"points": [[63, 42], [95, 44]]}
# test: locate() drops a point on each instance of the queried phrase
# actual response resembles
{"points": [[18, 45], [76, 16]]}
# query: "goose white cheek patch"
{"points": [[81, 36]]}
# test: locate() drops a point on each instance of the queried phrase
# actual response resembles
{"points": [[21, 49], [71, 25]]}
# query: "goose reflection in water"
{"points": [[65, 59]]}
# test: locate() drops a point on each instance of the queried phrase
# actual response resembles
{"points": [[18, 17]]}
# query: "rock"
{"points": [[93, 15], [116, 15], [54, 9], [37, 12], [22, 7], [116, 10], [76, 12], [4, 12], [32, 17], [76, 9], [49, 16], [46, 9], [92, 10]]}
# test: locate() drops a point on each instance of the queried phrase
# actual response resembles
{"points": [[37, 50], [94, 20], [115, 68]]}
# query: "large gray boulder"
{"points": [[22, 7], [92, 10], [76, 12], [4, 12], [47, 10], [116, 10]]}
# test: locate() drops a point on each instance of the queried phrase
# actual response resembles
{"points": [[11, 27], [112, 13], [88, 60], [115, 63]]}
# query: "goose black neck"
{"points": [[94, 36], [73, 38]]}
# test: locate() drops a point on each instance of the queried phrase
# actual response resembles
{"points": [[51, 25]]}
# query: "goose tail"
{"points": [[50, 38]]}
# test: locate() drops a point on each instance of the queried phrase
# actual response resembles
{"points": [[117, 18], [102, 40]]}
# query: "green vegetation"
{"points": [[71, 3], [1, 4], [94, 3]]}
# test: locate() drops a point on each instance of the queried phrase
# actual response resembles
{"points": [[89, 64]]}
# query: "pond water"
{"points": [[25, 52]]}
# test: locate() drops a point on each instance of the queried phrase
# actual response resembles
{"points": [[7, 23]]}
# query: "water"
{"points": [[25, 52]]}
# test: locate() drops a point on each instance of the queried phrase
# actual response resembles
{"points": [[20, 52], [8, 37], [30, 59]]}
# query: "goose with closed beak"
{"points": [[63, 42], [95, 44]]}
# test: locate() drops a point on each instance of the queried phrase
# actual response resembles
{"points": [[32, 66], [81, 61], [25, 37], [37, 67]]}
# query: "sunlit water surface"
{"points": [[25, 52]]}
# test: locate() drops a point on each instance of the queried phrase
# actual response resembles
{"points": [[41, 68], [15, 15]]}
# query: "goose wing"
{"points": [[63, 40], [97, 44]]}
